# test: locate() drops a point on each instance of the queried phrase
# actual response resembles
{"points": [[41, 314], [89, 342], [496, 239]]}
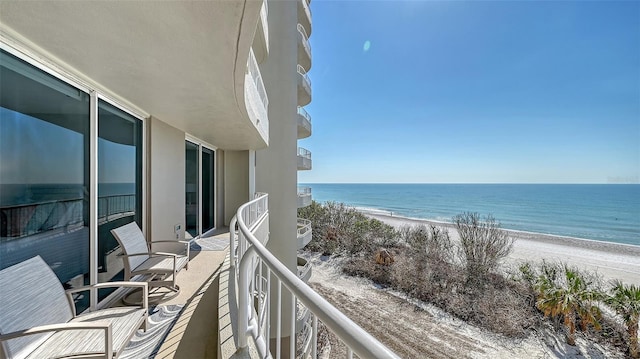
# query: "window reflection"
{"points": [[192, 217], [119, 184], [44, 172]]}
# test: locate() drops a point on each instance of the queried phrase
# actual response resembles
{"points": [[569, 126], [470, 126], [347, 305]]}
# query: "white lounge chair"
{"points": [[160, 268], [38, 318]]}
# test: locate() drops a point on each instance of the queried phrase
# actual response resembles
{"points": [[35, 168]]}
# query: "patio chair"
{"points": [[159, 268], [38, 317]]}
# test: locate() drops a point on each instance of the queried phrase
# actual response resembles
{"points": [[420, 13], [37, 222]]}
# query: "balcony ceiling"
{"points": [[181, 62]]}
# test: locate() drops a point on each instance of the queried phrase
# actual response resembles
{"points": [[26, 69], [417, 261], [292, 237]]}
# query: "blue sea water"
{"points": [[591, 211]]}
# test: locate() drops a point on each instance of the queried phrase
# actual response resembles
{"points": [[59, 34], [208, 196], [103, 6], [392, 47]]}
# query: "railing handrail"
{"points": [[307, 9], [302, 72], [305, 39], [304, 152], [304, 226], [304, 190], [254, 70], [21, 205], [362, 343], [302, 112]]}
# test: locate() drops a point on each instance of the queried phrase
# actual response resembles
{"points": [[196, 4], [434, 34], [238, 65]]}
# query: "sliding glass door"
{"points": [[119, 184], [192, 195], [200, 189], [208, 189], [46, 176], [44, 172]]}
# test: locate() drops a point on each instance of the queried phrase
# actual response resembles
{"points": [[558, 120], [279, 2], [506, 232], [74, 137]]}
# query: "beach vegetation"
{"points": [[340, 229], [464, 278], [566, 292], [483, 244], [625, 300]]}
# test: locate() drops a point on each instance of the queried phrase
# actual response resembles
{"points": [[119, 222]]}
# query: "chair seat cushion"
{"points": [[125, 321], [161, 265]]}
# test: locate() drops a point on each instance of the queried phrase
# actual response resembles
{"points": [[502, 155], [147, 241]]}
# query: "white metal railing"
{"points": [[264, 14], [304, 191], [251, 262], [304, 159], [307, 10], [304, 226], [303, 152], [304, 232], [265, 5], [302, 112], [254, 71], [305, 39], [302, 72]]}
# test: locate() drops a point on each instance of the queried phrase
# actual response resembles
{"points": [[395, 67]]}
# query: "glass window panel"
{"points": [[119, 185], [191, 176], [207, 189], [44, 172]]}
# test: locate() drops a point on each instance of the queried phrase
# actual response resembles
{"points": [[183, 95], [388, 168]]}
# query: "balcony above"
{"points": [[304, 123], [304, 49], [304, 235], [304, 159], [255, 97], [304, 15], [188, 74], [304, 87], [261, 40], [304, 196]]}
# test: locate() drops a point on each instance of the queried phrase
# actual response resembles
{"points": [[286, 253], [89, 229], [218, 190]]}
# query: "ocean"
{"points": [[608, 213]]}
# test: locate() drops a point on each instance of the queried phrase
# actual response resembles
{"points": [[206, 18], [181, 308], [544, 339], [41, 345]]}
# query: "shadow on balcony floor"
{"points": [[195, 333]]}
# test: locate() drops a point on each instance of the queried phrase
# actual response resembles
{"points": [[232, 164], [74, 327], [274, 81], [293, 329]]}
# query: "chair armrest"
{"points": [[164, 254], [143, 285], [133, 254], [104, 326], [182, 242], [170, 246]]}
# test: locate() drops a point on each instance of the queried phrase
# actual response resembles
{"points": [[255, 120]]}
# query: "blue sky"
{"points": [[475, 92]]}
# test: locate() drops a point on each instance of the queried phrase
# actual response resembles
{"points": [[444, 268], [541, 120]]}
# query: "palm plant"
{"points": [[625, 300], [568, 295]]}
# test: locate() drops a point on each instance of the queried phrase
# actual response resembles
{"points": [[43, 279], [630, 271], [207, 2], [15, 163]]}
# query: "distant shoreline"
{"points": [[609, 259], [582, 242]]}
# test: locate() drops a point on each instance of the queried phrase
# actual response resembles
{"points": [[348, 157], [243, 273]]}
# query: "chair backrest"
{"points": [[132, 241], [31, 295]]}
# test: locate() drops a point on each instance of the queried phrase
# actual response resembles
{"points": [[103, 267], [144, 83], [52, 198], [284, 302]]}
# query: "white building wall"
{"points": [[236, 182], [166, 180], [276, 167]]}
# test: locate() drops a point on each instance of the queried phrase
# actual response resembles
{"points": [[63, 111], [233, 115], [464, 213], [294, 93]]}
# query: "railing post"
{"points": [[244, 293], [232, 242]]}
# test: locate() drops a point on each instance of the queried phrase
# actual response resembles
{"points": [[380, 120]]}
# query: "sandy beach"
{"points": [[610, 260]]}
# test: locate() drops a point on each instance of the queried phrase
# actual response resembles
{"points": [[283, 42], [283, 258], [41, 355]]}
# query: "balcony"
{"points": [[304, 49], [201, 72], [304, 15], [304, 269], [256, 100], [256, 279], [261, 39], [304, 159], [304, 232], [304, 87], [304, 196], [304, 123]]}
